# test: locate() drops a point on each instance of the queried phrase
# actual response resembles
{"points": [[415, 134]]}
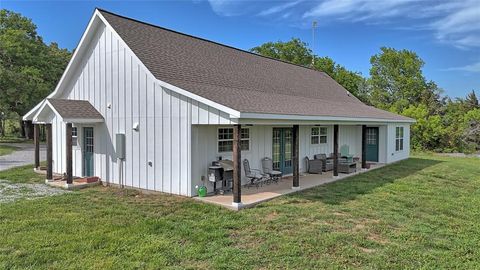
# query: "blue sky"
{"points": [[445, 34]]}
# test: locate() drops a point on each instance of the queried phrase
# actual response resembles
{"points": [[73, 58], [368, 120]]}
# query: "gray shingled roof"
{"points": [[75, 109], [238, 79]]}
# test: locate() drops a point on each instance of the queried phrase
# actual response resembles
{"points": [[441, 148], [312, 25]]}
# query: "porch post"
{"points": [[68, 153], [36, 141], [29, 132], [49, 152], [335, 150], [295, 159], [364, 146], [237, 173]]}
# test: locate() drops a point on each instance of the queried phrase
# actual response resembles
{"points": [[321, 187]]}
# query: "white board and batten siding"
{"points": [[158, 156], [392, 155]]}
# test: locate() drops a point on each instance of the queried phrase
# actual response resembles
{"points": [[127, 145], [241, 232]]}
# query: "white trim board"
{"points": [[245, 117]]}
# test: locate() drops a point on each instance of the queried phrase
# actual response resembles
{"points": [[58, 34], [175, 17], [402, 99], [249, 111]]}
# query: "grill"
{"points": [[221, 171]]}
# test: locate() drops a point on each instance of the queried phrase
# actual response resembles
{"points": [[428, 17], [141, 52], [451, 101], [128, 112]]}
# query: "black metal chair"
{"points": [[267, 166]]}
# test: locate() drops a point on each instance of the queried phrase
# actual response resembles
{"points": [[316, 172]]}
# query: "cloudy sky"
{"points": [[445, 34]]}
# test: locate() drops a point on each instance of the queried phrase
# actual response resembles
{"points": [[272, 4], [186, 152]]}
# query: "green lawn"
{"points": [[420, 213], [23, 174], [11, 139], [6, 149]]}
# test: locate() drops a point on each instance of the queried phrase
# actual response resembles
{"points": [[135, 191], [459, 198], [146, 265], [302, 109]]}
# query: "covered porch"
{"points": [[299, 142], [59, 117]]}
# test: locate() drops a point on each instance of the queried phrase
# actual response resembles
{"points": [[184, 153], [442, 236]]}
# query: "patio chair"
{"points": [[255, 176], [267, 166], [314, 166], [341, 159], [345, 152], [327, 163]]}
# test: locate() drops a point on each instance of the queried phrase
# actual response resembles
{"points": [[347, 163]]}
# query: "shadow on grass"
{"points": [[350, 188]]}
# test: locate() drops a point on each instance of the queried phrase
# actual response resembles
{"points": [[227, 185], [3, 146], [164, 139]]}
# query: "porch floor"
{"points": [[252, 196]]}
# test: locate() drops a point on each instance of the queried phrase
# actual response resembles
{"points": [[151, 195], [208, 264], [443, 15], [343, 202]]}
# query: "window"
{"points": [[371, 136], [74, 136], [319, 135], [399, 139], [225, 139]]}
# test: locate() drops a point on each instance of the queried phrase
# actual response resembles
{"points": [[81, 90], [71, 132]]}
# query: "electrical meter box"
{"points": [[120, 145]]}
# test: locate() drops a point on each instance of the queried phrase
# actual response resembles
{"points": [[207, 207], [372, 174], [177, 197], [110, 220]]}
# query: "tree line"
{"points": [[30, 70], [397, 84]]}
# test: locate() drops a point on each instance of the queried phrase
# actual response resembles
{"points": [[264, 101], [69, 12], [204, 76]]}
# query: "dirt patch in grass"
{"points": [[378, 239], [367, 250]]}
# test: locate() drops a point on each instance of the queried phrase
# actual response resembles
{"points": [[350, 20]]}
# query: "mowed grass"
{"points": [[420, 213], [22, 174], [12, 139], [6, 149]]}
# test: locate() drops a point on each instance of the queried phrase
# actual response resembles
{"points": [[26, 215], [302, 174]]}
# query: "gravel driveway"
{"points": [[23, 156]]}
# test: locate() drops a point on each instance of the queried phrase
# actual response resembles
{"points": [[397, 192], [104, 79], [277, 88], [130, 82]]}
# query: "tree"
{"points": [[296, 51], [427, 132], [397, 80], [29, 69], [472, 101], [471, 134]]}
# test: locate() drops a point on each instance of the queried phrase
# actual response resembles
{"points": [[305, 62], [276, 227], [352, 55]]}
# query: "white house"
{"points": [[181, 102]]}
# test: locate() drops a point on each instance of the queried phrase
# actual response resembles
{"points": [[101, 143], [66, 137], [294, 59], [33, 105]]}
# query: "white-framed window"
{"points": [[74, 136], [319, 135], [225, 139], [399, 139]]}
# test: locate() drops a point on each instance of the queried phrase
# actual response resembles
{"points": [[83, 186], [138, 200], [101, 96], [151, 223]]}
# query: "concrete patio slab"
{"points": [[253, 196], [75, 185]]}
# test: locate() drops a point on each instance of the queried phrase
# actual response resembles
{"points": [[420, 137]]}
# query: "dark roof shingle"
{"points": [[75, 109], [238, 79]]}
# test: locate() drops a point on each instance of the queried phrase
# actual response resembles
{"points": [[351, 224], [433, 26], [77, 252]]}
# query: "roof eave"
{"points": [[84, 120], [266, 116]]}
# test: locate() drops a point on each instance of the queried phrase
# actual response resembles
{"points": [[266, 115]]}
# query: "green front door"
{"points": [[88, 151], [282, 150], [372, 144]]}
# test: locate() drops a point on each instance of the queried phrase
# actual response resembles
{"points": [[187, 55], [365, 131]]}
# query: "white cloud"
{"points": [[452, 22], [227, 7], [456, 22], [358, 9], [475, 67], [279, 8], [461, 27]]}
